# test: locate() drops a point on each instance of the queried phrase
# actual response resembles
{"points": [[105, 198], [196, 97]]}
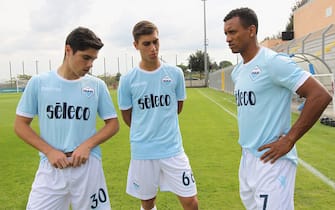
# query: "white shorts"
{"points": [[266, 186], [171, 174], [82, 187]]}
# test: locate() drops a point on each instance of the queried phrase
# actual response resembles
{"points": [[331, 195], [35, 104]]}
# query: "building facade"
{"points": [[313, 16]]}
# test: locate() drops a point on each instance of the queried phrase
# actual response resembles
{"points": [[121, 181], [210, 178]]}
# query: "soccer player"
{"points": [[264, 83], [67, 102], [150, 98]]}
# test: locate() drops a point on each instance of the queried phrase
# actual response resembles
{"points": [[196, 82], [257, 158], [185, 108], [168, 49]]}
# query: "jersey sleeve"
{"points": [[287, 73], [124, 94], [28, 104], [106, 107], [180, 88]]}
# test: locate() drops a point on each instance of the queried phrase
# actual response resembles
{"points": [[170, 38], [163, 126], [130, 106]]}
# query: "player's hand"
{"points": [[276, 149], [80, 155], [58, 159]]}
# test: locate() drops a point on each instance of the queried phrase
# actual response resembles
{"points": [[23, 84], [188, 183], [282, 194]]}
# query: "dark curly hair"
{"points": [[247, 16]]}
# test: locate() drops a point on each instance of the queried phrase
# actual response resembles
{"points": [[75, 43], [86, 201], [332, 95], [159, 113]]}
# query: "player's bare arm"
{"points": [[180, 106], [22, 128], [82, 153], [317, 99], [126, 115]]}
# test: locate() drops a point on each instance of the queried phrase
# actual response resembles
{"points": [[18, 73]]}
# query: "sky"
{"points": [[33, 32]]}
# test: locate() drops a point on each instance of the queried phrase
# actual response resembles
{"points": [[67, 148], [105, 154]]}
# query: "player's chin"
{"points": [[153, 57], [84, 72], [234, 50]]}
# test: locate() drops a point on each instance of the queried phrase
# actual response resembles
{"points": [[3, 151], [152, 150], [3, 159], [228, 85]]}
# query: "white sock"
{"points": [[154, 208]]}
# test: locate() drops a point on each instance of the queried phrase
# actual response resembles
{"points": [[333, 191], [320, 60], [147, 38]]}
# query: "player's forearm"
{"points": [[313, 108], [126, 116], [28, 135], [180, 106]]}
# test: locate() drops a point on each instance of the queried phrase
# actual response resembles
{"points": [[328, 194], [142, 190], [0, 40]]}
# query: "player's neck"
{"points": [[65, 73], [250, 53], [150, 66]]}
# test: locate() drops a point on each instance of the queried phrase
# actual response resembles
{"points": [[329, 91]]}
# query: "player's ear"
{"points": [[68, 49], [135, 43], [252, 30]]}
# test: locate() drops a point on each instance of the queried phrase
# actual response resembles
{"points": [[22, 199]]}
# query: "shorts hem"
{"points": [[142, 197]]}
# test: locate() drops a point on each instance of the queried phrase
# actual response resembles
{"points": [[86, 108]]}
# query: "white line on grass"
{"points": [[310, 168], [317, 173], [222, 107]]}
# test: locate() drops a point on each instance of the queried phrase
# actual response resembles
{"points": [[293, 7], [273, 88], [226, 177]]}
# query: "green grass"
{"points": [[210, 140]]}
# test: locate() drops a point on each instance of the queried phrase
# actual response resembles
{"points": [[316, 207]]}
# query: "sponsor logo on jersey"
{"points": [[87, 91], [255, 73], [152, 101], [245, 98], [67, 111]]}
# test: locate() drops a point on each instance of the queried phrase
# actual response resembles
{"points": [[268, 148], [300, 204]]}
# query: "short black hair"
{"points": [[82, 38], [143, 27], [247, 16]]}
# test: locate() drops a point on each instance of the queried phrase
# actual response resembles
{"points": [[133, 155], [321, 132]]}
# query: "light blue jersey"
{"points": [[263, 90], [66, 109], [153, 97]]}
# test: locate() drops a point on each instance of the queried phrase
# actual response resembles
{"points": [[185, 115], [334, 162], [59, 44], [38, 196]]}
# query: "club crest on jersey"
{"points": [[87, 91], [254, 73], [167, 80]]}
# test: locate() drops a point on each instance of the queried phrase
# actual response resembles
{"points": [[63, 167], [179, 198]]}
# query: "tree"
{"points": [[224, 64], [213, 66], [24, 77], [111, 81], [196, 61], [183, 67], [117, 77]]}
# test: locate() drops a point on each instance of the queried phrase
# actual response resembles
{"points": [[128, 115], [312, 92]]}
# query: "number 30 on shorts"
{"points": [[98, 198], [188, 178]]}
